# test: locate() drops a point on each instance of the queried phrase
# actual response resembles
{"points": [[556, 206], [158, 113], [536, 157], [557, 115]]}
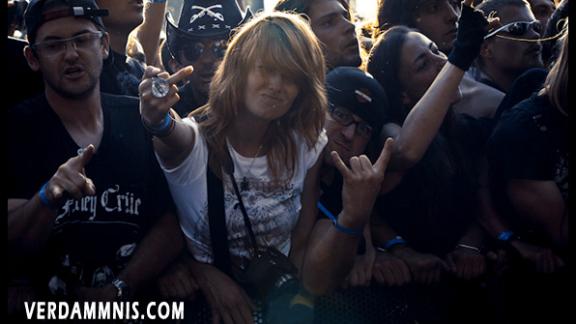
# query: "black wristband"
{"points": [[472, 27]]}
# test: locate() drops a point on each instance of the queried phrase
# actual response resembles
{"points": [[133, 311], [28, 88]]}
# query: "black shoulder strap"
{"points": [[217, 219]]}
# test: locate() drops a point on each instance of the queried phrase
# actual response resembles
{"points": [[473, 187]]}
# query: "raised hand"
{"points": [[362, 182], [472, 27], [70, 179], [153, 109]]}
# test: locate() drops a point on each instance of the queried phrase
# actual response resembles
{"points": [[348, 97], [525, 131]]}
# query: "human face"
{"points": [[345, 137], [269, 94], [204, 56], [511, 56], [73, 72], [331, 23], [123, 15], [438, 20], [420, 63], [542, 10]]}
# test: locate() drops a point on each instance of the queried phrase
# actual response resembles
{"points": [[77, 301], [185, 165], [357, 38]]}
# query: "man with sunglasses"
{"points": [[87, 200], [200, 40], [510, 49]]}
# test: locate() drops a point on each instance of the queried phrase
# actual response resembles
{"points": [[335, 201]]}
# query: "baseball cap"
{"points": [[359, 92], [40, 11]]}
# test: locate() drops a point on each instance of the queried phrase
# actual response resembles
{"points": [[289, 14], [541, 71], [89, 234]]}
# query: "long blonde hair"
{"points": [[556, 84], [283, 41]]}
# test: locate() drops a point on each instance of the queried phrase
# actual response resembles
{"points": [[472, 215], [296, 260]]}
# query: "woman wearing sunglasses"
{"points": [[264, 115]]}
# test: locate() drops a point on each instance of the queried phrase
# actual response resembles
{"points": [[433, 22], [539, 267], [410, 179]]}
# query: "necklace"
{"points": [[244, 184]]}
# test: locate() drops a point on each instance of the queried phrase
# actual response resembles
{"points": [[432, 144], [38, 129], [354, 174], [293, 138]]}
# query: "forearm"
{"points": [[175, 147], [307, 218], [329, 258], [148, 33], [160, 246], [29, 222], [425, 118]]}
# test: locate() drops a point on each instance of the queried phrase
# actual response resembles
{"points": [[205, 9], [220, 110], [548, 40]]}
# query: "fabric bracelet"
{"points": [[44, 198], [346, 230], [505, 236], [162, 130], [157, 1], [398, 240]]}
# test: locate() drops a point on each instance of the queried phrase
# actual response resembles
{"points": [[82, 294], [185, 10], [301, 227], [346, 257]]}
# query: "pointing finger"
{"points": [[83, 158], [180, 75]]}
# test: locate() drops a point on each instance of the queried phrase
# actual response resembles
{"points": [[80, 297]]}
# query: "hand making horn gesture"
{"points": [[362, 182], [70, 179], [158, 93]]}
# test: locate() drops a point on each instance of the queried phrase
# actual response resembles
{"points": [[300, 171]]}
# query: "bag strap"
{"points": [[217, 221], [229, 169], [216, 215]]}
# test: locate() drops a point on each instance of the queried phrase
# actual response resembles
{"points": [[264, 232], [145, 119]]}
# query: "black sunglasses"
{"points": [[193, 51], [517, 28]]}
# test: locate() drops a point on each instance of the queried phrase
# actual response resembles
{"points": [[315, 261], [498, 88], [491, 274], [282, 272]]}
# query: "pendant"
{"points": [[244, 185]]}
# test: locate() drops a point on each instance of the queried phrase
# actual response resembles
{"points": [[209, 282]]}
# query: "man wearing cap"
{"points": [[350, 182], [88, 207], [200, 40], [331, 22]]}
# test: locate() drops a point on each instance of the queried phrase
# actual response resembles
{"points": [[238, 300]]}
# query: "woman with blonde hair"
{"points": [[264, 119]]}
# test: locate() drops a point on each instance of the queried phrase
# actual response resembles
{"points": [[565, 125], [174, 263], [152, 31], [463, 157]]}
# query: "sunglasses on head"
{"points": [[517, 28], [194, 50]]}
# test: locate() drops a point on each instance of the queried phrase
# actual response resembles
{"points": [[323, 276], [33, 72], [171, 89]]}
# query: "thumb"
{"points": [[385, 155]]}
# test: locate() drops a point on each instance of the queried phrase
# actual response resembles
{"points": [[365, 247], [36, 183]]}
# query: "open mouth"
{"points": [[73, 72]]}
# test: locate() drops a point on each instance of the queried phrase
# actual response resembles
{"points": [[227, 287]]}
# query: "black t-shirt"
{"points": [[92, 238], [530, 142], [121, 75], [435, 202]]}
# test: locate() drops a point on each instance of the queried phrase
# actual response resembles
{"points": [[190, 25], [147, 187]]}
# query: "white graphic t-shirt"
{"points": [[273, 206]]}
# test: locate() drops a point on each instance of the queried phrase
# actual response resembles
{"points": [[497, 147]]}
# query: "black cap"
{"points": [[41, 11], [359, 92], [205, 19]]}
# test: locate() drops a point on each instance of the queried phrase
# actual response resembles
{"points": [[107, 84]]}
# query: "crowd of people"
{"points": [[282, 167]]}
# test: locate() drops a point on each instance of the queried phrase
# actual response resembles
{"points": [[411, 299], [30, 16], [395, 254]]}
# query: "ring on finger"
{"points": [[160, 87]]}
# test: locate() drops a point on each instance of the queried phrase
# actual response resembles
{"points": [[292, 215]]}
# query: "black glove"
{"points": [[472, 27]]}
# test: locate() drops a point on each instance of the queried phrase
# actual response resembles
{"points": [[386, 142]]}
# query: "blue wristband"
{"points": [[164, 129], [44, 198], [505, 236], [157, 1], [346, 230], [398, 240]]}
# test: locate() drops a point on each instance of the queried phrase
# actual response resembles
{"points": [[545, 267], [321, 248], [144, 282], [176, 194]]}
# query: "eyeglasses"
{"points": [[344, 117], [517, 28], [193, 51], [84, 42]]}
